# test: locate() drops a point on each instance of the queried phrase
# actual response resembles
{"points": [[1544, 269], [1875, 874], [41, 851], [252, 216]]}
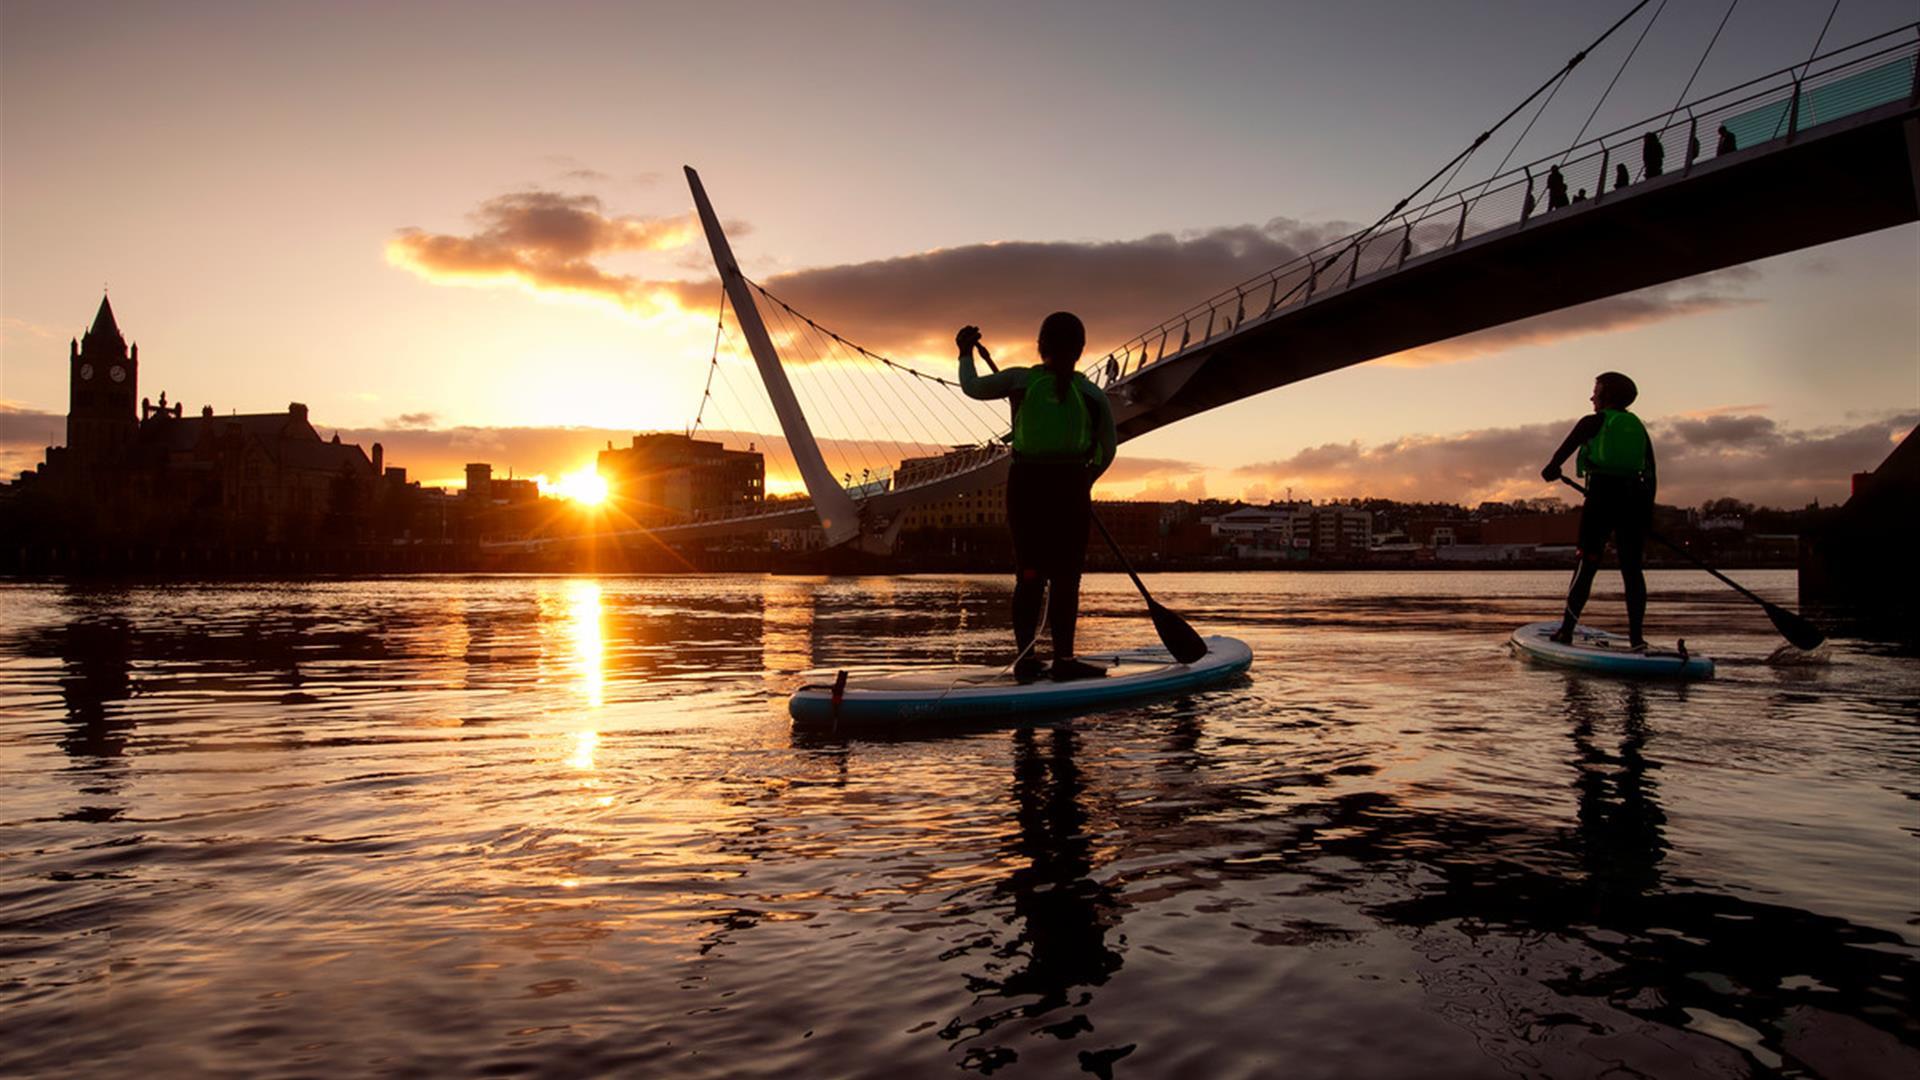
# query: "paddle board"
{"points": [[956, 693], [1597, 650]]}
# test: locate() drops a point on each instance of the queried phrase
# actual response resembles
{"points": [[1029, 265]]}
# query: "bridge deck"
{"points": [[1842, 178], [1845, 178]]}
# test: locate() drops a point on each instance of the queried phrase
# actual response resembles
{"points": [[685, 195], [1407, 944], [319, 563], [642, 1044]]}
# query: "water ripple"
{"points": [[481, 826]]}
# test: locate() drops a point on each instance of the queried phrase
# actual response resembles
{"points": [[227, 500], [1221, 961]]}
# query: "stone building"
{"points": [[154, 475]]}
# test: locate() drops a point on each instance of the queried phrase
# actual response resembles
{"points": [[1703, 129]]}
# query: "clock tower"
{"points": [[102, 377]]}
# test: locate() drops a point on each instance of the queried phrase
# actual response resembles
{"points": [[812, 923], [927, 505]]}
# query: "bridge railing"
{"points": [[1763, 112]]}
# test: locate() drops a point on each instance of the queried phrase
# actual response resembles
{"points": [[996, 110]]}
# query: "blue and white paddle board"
{"points": [[1599, 651], [959, 693]]}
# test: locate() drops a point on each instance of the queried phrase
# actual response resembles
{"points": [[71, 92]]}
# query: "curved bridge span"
{"points": [[1796, 160]]}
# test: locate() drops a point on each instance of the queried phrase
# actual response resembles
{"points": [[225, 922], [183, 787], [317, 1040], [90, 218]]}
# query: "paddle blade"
{"points": [[1181, 640], [1795, 628]]}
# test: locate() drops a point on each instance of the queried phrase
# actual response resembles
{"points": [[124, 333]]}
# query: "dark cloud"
{"points": [[1727, 431], [25, 435], [1468, 467], [1695, 296], [1748, 457], [909, 305], [412, 420], [585, 175], [1781, 467]]}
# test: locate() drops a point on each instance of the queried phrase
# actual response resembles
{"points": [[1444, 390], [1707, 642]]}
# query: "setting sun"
{"points": [[583, 485]]}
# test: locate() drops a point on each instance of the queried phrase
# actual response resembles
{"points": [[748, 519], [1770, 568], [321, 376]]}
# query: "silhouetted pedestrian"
{"points": [[1727, 142], [1693, 149], [1556, 188], [1580, 196], [1653, 156], [1620, 177]]}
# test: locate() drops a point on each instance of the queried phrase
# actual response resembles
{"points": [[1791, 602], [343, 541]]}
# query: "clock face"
{"points": [[118, 373], [86, 371]]}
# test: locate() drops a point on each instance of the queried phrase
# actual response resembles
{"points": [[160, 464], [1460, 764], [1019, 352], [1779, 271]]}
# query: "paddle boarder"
{"points": [[1063, 439], [1616, 457]]}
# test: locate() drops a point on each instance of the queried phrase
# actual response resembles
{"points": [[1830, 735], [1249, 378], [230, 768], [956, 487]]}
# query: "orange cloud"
{"points": [[547, 242], [1745, 456]]}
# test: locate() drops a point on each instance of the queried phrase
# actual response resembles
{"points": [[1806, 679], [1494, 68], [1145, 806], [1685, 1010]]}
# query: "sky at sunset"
{"points": [[462, 230]]}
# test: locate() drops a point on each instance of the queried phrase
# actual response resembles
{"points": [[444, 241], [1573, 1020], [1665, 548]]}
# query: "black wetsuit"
{"points": [[1616, 506], [1049, 504], [1049, 509]]}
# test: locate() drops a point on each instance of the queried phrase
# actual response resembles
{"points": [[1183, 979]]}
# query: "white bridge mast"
{"points": [[839, 518]]}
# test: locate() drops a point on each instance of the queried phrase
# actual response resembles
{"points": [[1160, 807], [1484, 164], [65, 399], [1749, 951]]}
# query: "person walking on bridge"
{"points": [[1063, 439], [1556, 188], [1616, 457]]}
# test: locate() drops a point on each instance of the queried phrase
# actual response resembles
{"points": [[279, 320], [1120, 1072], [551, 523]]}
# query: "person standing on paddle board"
{"points": [[1063, 439], [1616, 457]]}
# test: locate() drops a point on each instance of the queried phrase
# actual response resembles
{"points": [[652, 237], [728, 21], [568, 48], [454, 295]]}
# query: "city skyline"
{"points": [[340, 262]]}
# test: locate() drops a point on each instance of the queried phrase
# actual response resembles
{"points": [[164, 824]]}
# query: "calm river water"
{"points": [[561, 826]]}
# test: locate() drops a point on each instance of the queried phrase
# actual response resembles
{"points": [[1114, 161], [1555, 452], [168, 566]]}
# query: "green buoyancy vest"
{"points": [[1619, 450], [1049, 428]]}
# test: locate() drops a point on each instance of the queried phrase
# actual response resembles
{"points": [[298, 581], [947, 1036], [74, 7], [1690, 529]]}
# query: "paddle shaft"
{"points": [[1124, 564], [1684, 553]]}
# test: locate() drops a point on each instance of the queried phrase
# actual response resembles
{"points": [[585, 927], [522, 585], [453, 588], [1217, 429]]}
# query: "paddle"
{"points": [[1793, 627], [1181, 639], [1176, 634]]}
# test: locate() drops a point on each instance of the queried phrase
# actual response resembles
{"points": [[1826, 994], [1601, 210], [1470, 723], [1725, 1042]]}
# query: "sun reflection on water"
{"points": [[583, 745], [589, 642]]}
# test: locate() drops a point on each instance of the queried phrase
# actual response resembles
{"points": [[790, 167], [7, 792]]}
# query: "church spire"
{"points": [[104, 325]]}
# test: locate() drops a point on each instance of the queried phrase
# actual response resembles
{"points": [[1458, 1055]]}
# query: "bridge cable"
{"points": [[883, 388], [1803, 68], [748, 424], [873, 403], [1524, 132], [849, 439], [1361, 236], [719, 324], [857, 348], [762, 290], [770, 421], [1602, 186], [1703, 63]]}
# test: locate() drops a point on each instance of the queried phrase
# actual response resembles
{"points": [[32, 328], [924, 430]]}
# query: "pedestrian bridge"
{"points": [[1819, 152]]}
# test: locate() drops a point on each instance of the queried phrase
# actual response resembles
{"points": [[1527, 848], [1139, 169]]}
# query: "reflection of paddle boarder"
{"points": [[1617, 458], [1063, 439]]}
